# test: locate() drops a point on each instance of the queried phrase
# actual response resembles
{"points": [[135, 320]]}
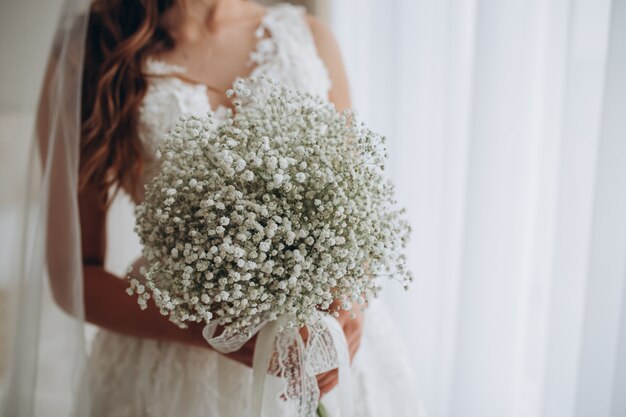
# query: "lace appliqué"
{"points": [[286, 51]]}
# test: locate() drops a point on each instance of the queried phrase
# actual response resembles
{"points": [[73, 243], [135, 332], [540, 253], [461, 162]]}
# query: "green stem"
{"points": [[321, 411]]}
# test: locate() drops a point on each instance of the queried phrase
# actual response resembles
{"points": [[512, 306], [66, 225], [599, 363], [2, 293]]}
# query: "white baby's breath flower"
{"points": [[265, 246], [240, 165]]}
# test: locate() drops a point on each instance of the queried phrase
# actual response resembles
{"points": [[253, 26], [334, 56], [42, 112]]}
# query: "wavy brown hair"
{"points": [[120, 36]]}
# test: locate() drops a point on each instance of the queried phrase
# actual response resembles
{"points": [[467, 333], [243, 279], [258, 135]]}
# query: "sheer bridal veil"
{"points": [[47, 319]]}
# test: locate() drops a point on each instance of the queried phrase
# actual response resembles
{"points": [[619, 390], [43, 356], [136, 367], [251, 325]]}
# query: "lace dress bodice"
{"points": [[285, 51]]}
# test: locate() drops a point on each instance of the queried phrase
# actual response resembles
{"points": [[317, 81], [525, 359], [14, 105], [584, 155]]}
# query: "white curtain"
{"points": [[507, 128]]}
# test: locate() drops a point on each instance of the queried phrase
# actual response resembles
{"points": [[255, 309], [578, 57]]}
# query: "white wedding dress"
{"points": [[136, 377]]}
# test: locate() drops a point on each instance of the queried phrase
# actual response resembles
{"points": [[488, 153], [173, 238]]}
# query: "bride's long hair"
{"points": [[121, 35]]}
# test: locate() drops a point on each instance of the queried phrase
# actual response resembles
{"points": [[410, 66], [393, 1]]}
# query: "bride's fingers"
{"points": [[353, 349], [327, 381], [354, 333]]}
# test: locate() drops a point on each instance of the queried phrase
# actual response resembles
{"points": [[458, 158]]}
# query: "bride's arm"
{"points": [[106, 303]]}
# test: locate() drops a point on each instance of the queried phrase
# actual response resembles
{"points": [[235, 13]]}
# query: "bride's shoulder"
{"points": [[322, 35], [330, 53]]}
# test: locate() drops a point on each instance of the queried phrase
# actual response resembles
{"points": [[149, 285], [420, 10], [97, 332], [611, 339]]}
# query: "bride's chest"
{"points": [[292, 62]]}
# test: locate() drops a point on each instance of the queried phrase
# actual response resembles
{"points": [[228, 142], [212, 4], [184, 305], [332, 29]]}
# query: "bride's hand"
{"points": [[353, 329]]}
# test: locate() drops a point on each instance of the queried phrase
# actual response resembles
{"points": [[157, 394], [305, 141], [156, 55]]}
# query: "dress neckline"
{"points": [[258, 57]]}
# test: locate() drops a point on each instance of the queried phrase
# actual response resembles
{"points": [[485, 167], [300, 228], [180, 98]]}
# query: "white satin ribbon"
{"points": [[285, 367]]}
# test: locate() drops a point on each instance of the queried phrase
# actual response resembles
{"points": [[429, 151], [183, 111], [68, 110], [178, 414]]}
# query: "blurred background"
{"points": [[506, 122]]}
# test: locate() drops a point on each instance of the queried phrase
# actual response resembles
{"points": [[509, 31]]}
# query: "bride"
{"points": [[145, 63]]}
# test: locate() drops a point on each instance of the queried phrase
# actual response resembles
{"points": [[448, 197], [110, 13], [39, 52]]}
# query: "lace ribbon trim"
{"points": [[285, 367]]}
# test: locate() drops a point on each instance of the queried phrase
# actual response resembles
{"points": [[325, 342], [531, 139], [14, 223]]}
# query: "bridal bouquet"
{"points": [[268, 215]]}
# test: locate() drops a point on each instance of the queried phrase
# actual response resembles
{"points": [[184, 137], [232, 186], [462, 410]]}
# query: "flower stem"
{"points": [[321, 411]]}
